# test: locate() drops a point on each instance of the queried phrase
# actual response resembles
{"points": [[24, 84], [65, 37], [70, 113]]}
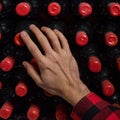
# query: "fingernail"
{"points": [[24, 64], [42, 27], [23, 34], [55, 29], [31, 26]]}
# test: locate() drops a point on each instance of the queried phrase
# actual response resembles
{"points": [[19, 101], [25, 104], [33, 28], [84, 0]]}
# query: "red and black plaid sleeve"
{"points": [[92, 107]]}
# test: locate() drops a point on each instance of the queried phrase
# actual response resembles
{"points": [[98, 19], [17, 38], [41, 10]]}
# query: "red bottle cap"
{"points": [[114, 9], [85, 9], [7, 64], [60, 113], [18, 40], [1, 7], [54, 9], [1, 37], [23, 9], [94, 64], [107, 88], [21, 89], [6, 110], [33, 112], [81, 38], [111, 39], [118, 63]]}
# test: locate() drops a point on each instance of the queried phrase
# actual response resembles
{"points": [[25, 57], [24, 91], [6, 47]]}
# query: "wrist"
{"points": [[75, 94]]}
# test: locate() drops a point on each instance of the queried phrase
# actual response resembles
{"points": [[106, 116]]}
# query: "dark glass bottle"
{"points": [[109, 8], [112, 58], [83, 8], [29, 8], [10, 104], [104, 81], [81, 33], [6, 8], [56, 8], [6, 31], [89, 58], [20, 84], [108, 34], [8, 59]]}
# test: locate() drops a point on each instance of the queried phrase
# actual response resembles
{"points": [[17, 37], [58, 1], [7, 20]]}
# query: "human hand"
{"points": [[59, 74]]}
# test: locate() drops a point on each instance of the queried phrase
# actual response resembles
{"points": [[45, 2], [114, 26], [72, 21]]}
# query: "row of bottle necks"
{"points": [[17, 110], [59, 8], [99, 40]]}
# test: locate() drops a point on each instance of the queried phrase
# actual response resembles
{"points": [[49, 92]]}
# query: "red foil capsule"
{"points": [[111, 39], [61, 112], [23, 9], [7, 64], [54, 9], [33, 112], [6, 110], [107, 88], [21, 89], [94, 64], [114, 9], [85, 9], [81, 38], [18, 40]]}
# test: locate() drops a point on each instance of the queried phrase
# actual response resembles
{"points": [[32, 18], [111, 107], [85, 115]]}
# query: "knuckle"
{"points": [[32, 49]]}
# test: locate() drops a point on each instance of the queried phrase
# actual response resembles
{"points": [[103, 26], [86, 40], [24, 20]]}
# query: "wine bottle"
{"points": [[108, 34], [8, 60], [104, 81], [109, 8], [56, 8], [89, 57], [83, 8], [112, 58], [81, 33]]}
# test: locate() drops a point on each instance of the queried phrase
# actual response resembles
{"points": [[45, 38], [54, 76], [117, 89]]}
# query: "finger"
{"points": [[53, 38], [62, 39], [32, 73], [32, 47], [41, 38]]}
